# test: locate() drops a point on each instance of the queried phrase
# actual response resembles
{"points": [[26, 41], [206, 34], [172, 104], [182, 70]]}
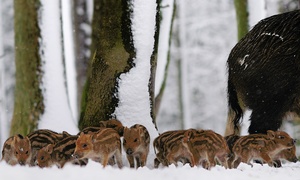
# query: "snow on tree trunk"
{"points": [[112, 55], [134, 97], [57, 115], [69, 56]]}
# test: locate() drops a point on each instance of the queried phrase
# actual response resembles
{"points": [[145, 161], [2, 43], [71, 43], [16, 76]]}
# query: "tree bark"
{"points": [[241, 17], [82, 45], [153, 62], [112, 54], [28, 105]]}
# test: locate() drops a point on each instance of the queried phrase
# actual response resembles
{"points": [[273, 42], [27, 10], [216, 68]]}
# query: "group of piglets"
{"points": [[103, 144]]}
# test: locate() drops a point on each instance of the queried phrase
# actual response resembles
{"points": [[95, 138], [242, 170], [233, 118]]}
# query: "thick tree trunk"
{"points": [[28, 104], [112, 54]]}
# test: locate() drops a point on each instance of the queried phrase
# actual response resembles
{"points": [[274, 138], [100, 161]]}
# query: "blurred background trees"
{"points": [[192, 92]]}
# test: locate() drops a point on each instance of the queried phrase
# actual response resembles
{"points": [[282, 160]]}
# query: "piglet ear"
{"points": [[81, 134], [187, 135], [101, 124], [17, 138], [66, 134], [28, 141], [271, 134], [94, 137], [49, 148], [125, 130]]}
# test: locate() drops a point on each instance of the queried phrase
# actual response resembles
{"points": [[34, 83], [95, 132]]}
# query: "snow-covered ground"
{"points": [[290, 171], [210, 42]]}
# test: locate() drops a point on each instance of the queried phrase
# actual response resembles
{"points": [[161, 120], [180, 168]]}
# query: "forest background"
{"points": [[186, 88]]}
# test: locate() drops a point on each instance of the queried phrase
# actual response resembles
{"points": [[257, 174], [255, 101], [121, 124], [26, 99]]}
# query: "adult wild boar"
{"points": [[264, 74]]}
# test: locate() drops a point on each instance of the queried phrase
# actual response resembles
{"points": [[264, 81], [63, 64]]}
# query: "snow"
{"points": [[206, 77], [96, 171], [134, 96], [69, 56], [163, 44], [257, 11], [57, 115]]}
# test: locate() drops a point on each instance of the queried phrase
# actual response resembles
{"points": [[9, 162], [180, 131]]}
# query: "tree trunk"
{"points": [[82, 38], [28, 104], [112, 54], [241, 17], [164, 72], [153, 62]]}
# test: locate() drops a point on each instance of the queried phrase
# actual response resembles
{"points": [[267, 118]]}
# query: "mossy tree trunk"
{"points": [[241, 9], [28, 105], [112, 53]]}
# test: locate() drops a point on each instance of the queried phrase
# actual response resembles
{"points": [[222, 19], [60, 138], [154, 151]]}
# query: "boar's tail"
{"points": [[233, 104]]}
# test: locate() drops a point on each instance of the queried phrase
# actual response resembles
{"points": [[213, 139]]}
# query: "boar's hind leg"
{"points": [[266, 116]]}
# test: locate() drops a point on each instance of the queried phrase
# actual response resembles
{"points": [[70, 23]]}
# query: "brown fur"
{"points": [[287, 155], [264, 147], [208, 147], [58, 154], [90, 129], [43, 137], [99, 146], [17, 150], [136, 145], [115, 124], [169, 149]]}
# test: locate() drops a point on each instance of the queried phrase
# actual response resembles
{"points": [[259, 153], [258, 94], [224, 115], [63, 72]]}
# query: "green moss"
{"points": [[28, 104], [241, 17], [111, 58]]}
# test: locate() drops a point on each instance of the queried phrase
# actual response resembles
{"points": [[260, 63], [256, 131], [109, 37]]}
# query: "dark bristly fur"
{"points": [[263, 73], [43, 137]]}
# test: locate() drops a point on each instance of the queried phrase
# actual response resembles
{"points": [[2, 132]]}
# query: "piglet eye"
{"points": [[26, 152], [281, 137], [42, 158], [84, 145], [135, 140], [16, 152]]}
